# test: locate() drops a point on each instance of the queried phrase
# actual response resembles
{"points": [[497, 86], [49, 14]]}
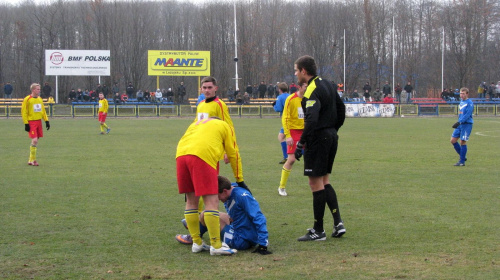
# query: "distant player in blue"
{"points": [[244, 226], [463, 127], [278, 106]]}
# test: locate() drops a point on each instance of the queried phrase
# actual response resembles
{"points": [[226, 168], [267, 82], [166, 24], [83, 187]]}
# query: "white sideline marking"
{"points": [[484, 133]]}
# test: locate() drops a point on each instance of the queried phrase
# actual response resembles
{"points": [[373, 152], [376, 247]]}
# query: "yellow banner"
{"points": [[178, 63]]}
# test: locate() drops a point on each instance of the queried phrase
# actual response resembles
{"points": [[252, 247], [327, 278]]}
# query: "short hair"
{"points": [[283, 87], [307, 62], [464, 89], [224, 183], [209, 79], [33, 85]]}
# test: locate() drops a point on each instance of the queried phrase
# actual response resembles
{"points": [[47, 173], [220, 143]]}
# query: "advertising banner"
{"points": [[369, 110], [77, 63], [178, 63]]}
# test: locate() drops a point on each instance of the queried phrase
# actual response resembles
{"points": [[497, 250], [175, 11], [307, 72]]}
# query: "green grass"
{"points": [[107, 207]]}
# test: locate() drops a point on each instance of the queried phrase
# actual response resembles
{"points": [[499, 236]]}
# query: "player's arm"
{"points": [[24, 109], [340, 111], [255, 215], [231, 151], [105, 106], [285, 119]]}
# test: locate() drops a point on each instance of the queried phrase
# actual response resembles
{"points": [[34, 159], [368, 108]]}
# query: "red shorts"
{"points": [[36, 129], [296, 134], [195, 175], [102, 116]]}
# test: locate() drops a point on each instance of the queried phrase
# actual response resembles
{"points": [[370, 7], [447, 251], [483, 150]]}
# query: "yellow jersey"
{"points": [[33, 109], [103, 105], [209, 139], [293, 114], [213, 108]]}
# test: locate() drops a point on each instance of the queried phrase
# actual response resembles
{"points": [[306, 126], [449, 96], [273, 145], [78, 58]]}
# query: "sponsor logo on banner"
{"points": [[178, 63], [77, 63]]}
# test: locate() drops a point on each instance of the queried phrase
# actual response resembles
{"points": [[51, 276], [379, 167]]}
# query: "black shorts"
{"points": [[319, 153]]}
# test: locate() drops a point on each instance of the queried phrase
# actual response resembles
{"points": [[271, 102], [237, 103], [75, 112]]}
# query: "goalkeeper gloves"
{"points": [[298, 151], [262, 250], [47, 125], [455, 125], [27, 127], [274, 103]]}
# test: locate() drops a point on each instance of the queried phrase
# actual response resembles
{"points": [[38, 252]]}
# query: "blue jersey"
{"points": [[466, 110], [280, 102], [248, 220]]}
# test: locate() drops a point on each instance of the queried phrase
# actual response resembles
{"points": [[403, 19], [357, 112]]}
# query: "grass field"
{"points": [[107, 207]]}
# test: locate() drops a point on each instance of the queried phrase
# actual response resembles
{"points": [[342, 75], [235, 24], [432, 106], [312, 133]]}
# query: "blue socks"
{"points": [[283, 149], [457, 147], [463, 153]]}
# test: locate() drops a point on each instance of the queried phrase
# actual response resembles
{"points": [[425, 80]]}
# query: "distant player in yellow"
{"points": [[293, 125], [103, 113], [197, 157], [212, 106], [33, 111]]}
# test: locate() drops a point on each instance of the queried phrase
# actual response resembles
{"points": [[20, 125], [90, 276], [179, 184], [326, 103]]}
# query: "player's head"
{"points": [[464, 93], [224, 188], [209, 86], [305, 67], [302, 90], [283, 87], [101, 95], [35, 89]]}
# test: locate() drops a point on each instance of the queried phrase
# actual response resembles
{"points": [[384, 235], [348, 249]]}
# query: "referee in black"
{"points": [[324, 114]]}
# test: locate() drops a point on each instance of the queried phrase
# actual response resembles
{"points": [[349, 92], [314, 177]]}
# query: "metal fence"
{"points": [[260, 111]]}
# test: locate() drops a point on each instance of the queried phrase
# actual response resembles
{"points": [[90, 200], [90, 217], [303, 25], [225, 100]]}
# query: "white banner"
{"points": [[369, 110], [77, 63]]}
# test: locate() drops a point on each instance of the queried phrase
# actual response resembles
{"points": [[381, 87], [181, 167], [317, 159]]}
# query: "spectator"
{"points": [[271, 90], [355, 96], [170, 95], [115, 89], [79, 95], [444, 94], [140, 96], [230, 94], [398, 89], [255, 91], [497, 89], [293, 88], [97, 90], [7, 89], [130, 90], [262, 90], [408, 89], [181, 92], [51, 100], [71, 95], [456, 95], [246, 99], [377, 95], [367, 97], [388, 99], [367, 87], [93, 96], [386, 89], [236, 92], [481, 89], [116, 98], [105, 91], [491, 91], [86, 96], [46, 90], [239, 98], [147, 97], [158, 96], [249, 89], [124, 97]]}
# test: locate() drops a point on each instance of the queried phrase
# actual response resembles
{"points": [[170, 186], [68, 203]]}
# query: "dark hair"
{"points": [[209, 80], [224, 183], [307, 62]]}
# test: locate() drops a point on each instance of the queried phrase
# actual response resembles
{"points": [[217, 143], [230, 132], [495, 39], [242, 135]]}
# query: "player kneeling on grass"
{"points": [[244, 226]]}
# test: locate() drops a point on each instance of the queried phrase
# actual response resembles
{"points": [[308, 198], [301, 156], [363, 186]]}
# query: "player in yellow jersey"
{"points": [[212, 106], [103, 113], [293, 125], [197, 157], [33, 111]]}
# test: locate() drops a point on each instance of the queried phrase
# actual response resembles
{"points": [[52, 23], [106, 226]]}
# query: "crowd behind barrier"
{"points": [[260, 107]]}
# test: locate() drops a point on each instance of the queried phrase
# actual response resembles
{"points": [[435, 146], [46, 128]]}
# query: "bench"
{"points": [[428, 106]]}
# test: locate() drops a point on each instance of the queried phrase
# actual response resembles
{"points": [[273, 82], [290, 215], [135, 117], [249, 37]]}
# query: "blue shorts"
{"points": [[462, 131], [282, 130], [234, 240]]}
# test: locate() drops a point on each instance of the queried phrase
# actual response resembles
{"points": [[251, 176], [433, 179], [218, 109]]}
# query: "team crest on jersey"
{"points": [[310, 103]]}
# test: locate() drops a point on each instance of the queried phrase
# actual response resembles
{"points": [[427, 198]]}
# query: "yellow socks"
{"points": [[284, 177], [32, 153], [193, 222], [212, 222]]}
